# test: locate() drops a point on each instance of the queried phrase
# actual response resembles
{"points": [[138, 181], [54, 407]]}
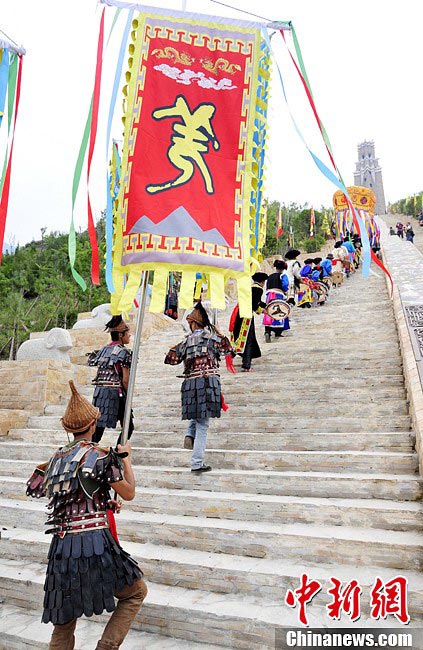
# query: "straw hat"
{"points": [[80, 414]]}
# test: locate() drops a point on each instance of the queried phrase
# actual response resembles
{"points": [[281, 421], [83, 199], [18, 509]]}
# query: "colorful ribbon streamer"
{"points": [[6, 187], [11, 93], [109, 215], [4, 76], [368, 254], [77, 177], [95, 267]]}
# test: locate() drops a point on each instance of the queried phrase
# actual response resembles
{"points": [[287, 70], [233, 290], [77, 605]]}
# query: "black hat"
{"points": [[279, 264], [259, 277], [329, 256], [291, 254], [317, 260], [337, 244], [308, 261]]}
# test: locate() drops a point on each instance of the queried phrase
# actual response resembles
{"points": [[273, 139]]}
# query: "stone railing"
{"points": [[405, 263]]}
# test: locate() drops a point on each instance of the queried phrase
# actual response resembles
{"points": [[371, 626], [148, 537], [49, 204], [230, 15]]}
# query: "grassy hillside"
{"points": [[38, 292]]}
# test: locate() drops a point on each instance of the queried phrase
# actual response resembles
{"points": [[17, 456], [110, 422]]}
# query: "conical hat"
{"points": [[80, 413]]}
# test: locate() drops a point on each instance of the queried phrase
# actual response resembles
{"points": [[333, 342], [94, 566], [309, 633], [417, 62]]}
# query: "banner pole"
{"points": [[135, 354]]}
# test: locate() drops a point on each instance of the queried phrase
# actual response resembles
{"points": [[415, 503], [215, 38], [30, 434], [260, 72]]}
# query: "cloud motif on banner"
{"points": [[187, 77]]}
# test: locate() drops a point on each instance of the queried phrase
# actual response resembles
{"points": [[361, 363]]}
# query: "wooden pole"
{"points": [[134, 364]]}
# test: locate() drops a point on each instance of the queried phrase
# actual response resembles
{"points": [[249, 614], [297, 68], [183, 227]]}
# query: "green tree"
{"points": [[38, 292], [297, 218]]}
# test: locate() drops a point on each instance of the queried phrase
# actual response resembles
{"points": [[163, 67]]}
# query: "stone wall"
{"points": [[405, 263], [86, 340], [26, 387]]}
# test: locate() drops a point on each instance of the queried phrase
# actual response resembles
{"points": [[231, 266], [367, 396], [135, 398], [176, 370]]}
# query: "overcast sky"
{"points": [[363, 60]]}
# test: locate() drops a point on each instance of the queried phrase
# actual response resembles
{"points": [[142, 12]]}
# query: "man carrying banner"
{"points": [[243, 329], [87, 568], [200, 391]]}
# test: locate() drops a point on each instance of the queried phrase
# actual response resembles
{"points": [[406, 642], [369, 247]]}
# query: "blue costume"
{"points": [[326, 267]]}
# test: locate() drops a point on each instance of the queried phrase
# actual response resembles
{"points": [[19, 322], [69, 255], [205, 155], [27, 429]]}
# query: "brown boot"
{"points": [[104, 645]]}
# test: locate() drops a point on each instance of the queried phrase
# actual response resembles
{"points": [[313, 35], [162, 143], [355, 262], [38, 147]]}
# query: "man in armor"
{"points": [[201, 394], [87, 567], [111, 381]]}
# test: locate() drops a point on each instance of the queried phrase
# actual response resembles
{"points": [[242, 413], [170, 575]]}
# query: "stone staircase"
{"points": [[314, 471]]}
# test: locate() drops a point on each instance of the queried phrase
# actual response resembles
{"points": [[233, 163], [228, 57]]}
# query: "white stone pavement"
{"points": [[405, 263]]}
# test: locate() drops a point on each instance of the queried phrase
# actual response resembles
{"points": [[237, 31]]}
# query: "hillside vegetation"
{"points": [[38, 292]]}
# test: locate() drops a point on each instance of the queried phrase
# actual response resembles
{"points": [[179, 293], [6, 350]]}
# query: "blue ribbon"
{"points": [[110, 197], [4, 77], [330, 176]]}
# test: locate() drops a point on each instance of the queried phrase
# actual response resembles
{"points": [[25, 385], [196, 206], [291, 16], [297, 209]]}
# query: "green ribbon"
{"points": [[77, 178], [11, 92], [75, 185]]}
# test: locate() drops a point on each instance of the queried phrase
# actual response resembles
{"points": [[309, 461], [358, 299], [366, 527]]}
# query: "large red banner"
{"points": [[187, 176]]}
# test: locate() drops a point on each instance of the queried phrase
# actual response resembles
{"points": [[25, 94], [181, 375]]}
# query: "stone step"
{"points": [[146, 407], [227, 619], [255, 424], [262, 395], [314, 404], [291, 342], [181, 613], [366, 304], [363, 513], [308, 461], [22, 630], [297, 542], [302, 371], [386, 365], [397, 441], [256, 381], [267, 579], [405, 487]]}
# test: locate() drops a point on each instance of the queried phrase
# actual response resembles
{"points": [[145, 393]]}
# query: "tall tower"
{"points": [[368, 173]]}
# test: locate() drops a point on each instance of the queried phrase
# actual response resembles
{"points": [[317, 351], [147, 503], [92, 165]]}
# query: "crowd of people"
{"points": [[293, 284], [87, 567], [402, 231]]}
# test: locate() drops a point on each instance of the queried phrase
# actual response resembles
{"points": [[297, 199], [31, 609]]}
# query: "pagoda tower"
{"points": [[368, 173]]}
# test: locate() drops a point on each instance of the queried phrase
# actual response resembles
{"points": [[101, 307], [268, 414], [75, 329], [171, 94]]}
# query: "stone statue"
{"points": [[55, 345], [99, 317]]}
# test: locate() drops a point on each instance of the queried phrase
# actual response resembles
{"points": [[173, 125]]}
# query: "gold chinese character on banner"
{"points": [[189, 143]]}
